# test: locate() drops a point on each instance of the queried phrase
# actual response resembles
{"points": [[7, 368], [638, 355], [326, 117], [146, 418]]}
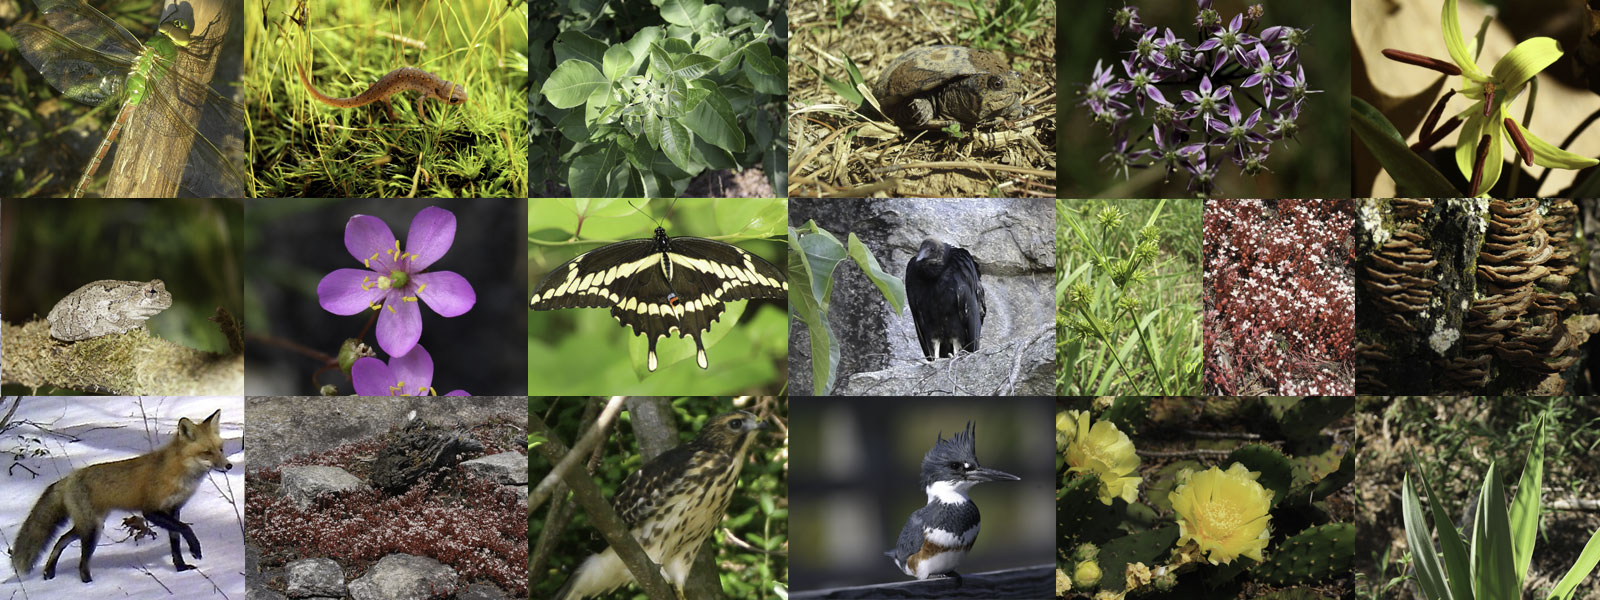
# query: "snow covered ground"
{"points": [[108, 429]]}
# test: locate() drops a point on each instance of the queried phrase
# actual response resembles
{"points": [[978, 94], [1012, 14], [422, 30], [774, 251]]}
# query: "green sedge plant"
{"points": [[1493, 564], [1122, 312]]}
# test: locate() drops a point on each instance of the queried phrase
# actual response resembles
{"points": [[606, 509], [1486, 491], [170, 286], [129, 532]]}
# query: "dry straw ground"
{"points": [[837, 149]]}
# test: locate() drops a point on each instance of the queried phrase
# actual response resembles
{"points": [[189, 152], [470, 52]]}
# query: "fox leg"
{"points": [[169, 521], [85, 542], [55, 553]]}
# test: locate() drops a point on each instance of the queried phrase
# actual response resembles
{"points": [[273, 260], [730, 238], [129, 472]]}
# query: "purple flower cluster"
{"points": [[1187, 94]]}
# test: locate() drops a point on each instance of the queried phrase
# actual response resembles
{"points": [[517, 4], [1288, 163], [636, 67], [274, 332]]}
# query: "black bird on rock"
{"points": [[944, 290]]}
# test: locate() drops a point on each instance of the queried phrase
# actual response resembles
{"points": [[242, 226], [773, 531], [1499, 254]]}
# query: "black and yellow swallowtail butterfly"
{"points": [[661, 285]]}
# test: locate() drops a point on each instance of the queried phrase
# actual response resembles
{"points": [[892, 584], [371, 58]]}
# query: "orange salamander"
{"points": [[399, 80]]}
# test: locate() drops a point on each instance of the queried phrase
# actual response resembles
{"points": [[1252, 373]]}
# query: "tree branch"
{"points": [[605, 519], [1025, 582]]}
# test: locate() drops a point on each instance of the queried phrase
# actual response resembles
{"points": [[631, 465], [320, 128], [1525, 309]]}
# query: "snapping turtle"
{"points": [[933, 86]]}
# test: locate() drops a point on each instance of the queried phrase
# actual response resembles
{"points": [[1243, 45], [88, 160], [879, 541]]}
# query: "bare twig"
{"points": [[572, 459], [604, 518]]}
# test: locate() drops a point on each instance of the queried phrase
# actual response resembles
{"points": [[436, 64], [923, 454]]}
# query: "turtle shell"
{"points": [[933, 86]]}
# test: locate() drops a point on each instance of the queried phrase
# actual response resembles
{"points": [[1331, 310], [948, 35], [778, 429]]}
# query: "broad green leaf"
{"points": [[578, 45], [618, 61], [572, 83], [1413, 176], [1494, 574], [893, 289], [675, 142], [813, 255], [1430, 576], [682, 12], [600, 173], [1580, 570], [767, 73], [1525, 508], [714, 121]]}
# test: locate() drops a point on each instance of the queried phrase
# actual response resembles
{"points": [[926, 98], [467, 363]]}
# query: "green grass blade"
{"points": [[1429, 575], [1457, 564], [1494, 576], [1580, 570], [1525, 508]]}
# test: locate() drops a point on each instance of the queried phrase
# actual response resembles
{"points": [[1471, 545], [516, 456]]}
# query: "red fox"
{"points": [[156, 484]]}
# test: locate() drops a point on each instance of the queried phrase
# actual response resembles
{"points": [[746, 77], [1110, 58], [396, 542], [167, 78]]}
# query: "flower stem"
{"points": [[1149, 354]]}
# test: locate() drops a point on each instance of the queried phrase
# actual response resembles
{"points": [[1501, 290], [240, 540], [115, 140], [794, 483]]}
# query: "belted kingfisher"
{"points": [[672, 504], [938, 535]]}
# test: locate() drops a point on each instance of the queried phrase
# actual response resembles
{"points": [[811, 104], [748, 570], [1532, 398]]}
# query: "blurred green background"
{"points": [[1315, 166], [586, 351], [48, 248]]}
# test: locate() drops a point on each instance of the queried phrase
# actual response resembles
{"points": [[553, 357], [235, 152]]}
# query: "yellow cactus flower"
{"points": [[1106, 452], [1087, 575], [1225, 513]]}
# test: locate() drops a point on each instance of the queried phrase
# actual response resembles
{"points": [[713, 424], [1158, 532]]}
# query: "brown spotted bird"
{"points": [[672, 504]]}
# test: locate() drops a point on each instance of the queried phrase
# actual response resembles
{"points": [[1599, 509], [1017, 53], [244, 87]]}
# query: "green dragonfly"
{"points": [[92, 59]]}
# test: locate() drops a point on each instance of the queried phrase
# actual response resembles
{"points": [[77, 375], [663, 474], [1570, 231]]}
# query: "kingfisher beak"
{"points": [[987, 474]]}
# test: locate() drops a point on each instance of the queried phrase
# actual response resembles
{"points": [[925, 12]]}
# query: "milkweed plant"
{"points": [[1190, 103], [1494, 563]]}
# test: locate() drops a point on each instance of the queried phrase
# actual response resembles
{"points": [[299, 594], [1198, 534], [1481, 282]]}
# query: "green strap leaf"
{"points": [[1413, 176], [1457, 561], [1430, 575], [1494, 574], [1525, 508], [1580, 570]]}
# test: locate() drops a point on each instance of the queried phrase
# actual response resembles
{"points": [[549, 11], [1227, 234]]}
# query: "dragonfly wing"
{"points": [[83, 24], [79, 72], [218, 151], [218, 146]]}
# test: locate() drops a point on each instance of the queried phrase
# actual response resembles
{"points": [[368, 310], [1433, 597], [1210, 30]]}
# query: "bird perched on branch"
{"points": [[945, 292], [672, 504], [939, 535]]}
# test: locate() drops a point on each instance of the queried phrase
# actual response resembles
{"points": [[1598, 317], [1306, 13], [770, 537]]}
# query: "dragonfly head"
{"points": [[178, 30]]}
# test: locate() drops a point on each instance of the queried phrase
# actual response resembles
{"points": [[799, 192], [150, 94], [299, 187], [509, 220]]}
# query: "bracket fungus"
{"points": [[1502, 273]]}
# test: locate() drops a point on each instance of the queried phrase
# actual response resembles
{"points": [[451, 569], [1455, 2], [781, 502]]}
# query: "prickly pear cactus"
{"points": [[1310, 556]]}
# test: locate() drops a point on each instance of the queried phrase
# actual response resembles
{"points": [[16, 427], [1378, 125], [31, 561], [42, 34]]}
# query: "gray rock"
{"points": [[479, 591], [302, 484], [1014, 244], [404, 577], [255, 590], [313, 577], [509, 468]]}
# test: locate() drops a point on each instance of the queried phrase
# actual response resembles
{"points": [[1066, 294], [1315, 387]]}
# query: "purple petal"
{"points": [[432, 231], [399, 327], [341, 293], [458, 393], [369, 240], [371, 377], [1155, 94], [1251, 81], [414, 370], [1190, 97], [1224, 91], [1208, 44], [1205, 84], [1254, 117], [446, 292]]}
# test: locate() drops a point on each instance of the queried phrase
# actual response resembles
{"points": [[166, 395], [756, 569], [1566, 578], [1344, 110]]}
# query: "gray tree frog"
{"points": [[107, 306]]}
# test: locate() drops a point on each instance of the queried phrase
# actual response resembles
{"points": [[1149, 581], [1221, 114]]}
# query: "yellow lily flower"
{"points": [[1493, 92]]}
